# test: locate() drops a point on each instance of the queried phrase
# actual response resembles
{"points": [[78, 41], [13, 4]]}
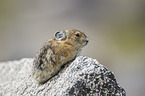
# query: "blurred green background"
{"points": [[116, 31]]}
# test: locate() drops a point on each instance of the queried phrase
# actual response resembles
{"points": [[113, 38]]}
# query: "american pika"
{"points": [[63, 48]]}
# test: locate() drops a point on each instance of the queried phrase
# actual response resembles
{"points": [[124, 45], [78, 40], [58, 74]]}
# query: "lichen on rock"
{"points": [[84, 76]]}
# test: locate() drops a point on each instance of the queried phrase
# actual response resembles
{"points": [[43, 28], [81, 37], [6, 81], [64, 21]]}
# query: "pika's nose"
{"points": [[86, 41]]}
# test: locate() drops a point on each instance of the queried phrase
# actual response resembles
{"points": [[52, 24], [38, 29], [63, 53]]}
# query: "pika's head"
{"points": [[72, 37]]}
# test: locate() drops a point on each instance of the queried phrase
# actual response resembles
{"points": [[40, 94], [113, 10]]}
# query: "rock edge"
{"points": [[84, 76]]}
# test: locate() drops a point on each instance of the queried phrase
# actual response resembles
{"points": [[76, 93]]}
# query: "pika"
{"points": [[63, 48]]}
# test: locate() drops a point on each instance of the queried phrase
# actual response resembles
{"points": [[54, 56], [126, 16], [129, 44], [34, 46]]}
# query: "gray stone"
{"points": [[83, 77]]}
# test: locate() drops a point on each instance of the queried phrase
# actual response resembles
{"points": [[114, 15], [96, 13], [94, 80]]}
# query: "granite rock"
{"points": [[82, 77]]}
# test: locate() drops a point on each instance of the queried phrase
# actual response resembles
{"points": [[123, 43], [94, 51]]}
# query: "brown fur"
{"points": [[56, 53]]}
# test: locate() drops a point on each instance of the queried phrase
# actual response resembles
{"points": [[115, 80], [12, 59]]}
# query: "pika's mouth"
{"points": [[86, 42]]}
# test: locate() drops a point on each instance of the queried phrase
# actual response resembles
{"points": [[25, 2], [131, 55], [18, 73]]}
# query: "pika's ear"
{"points": [[60, 35]]}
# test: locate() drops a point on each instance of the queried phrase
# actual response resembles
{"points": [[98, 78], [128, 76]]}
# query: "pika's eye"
{"points": [[78, 35]]}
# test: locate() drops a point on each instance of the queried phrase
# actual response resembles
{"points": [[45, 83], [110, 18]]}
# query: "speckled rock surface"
{"points": [[83, 77]]}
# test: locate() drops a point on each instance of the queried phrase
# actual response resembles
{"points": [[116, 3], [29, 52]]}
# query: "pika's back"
{"points": [[63, 48]]}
